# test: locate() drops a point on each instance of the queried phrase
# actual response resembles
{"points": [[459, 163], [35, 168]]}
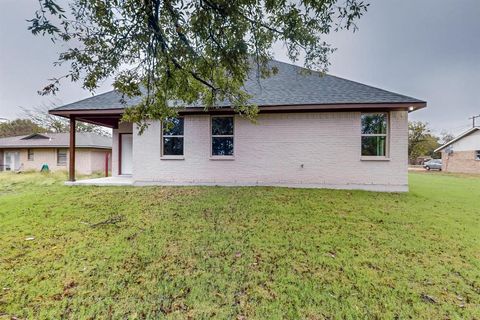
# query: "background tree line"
{"points": [[39, 120], [422, 142]]}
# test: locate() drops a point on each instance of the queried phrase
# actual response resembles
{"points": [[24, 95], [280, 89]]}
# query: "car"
{"points": [[433, 164]]}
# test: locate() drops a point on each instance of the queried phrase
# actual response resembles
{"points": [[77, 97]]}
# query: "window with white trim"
{"points": [[374, 134], [62, 157], [477, 155], [222, 132], [172, 137]]}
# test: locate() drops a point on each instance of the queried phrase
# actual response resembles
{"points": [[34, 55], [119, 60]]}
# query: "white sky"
{"points": [[427, 49]]}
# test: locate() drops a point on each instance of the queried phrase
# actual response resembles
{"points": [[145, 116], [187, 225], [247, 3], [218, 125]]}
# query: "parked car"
{"points": [[433, 164]]}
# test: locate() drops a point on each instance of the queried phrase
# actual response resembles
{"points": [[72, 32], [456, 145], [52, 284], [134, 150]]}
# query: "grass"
{"points": [[239, 253]]}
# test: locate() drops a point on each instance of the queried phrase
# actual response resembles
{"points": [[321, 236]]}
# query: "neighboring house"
{"points": [[462, 154], [33, 151], [312, 131]]}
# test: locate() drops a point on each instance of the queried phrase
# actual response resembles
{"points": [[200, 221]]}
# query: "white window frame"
{"points": [[217, 157], [477, 155], [58, 158], [162, 135], [386, 157], [30, 155]]}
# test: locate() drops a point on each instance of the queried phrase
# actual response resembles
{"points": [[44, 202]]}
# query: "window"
{"points": [[172, 137], [61, 157], [374, 134], [222, 136], [30, 155], [477, 155]]}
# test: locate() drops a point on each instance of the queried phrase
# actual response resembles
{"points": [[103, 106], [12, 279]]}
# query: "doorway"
{"points": [[11, 160], [126, 156]]}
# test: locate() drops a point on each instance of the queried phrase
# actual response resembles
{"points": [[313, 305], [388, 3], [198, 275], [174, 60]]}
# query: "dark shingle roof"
{"points": [[290, 86], [57, 140]]}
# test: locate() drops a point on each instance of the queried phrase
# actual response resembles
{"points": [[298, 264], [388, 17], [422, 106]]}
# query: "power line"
{"points": [[473, 120]]}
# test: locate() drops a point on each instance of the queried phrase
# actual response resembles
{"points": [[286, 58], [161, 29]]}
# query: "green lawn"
{"points": [[239, 253]]}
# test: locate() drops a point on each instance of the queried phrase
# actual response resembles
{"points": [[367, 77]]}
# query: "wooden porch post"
{"points": [[71, 169]]}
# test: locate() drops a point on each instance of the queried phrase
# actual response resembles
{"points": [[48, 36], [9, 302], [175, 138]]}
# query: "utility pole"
{"points": [[473, 120]]}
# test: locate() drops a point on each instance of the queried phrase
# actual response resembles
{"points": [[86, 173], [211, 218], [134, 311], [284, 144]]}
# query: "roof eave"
{"points": [[461, 136], [397, 106]]}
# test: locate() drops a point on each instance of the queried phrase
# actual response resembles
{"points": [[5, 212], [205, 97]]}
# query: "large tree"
{"points": [[19, 127], [421, 141], [187, 51]]}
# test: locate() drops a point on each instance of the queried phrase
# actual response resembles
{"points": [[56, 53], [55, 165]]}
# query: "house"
{"points": [[311, 131], [33, 151], [462, 154]]}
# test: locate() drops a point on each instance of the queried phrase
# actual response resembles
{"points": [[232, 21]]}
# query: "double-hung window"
{"points": [[477, 155], [222, 132], [374, 134], [172, 137], [61, 157]]}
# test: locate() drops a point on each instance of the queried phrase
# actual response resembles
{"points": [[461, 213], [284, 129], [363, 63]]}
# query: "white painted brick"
{"points": [[272, 151]]}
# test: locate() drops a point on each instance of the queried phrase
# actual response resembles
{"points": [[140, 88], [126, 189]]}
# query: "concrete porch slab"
{"points": [[104, 182]]}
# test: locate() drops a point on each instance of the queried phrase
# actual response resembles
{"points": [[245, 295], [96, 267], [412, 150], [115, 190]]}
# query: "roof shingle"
{"points": [[290, 86], [58, 140]]}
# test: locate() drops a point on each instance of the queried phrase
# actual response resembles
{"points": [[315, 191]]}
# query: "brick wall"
{"points": [[295, 149], [460, 161]]}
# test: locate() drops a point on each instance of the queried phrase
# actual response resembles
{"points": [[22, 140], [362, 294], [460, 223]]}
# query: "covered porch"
{"points": [[122, 145]]}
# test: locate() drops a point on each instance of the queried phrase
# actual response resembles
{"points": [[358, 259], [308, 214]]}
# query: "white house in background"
{"points": [[33, 151], [462, 154], [312, 131]]}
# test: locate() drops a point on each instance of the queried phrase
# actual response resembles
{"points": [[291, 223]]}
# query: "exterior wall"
{"points": [[468, 143], [290, 149], [97, 160], [462, 157], [460, 161], [123, 127], [87, 160]]}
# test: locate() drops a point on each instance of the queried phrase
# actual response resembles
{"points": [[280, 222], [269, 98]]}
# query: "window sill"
{"points": [[172, 158], [222, 158], [374, 158]]}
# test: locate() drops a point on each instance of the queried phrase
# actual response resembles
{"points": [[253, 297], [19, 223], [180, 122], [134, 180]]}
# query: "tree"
{"points": [[183, 52], [41, 117], [446, 136], [421, 142], [19, 127]]}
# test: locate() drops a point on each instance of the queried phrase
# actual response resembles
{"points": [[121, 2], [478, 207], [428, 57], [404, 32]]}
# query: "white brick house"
{"points": [[312, 131]]}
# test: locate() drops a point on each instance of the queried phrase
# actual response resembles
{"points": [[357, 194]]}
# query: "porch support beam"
{"points": [[71, 168]]}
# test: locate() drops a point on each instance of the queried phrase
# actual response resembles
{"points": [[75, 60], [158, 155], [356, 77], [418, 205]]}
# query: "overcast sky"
{"points": [[427, 49]]}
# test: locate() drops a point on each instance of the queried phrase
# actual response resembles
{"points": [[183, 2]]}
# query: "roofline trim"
{"points": [[407, 106], [461, 136]]}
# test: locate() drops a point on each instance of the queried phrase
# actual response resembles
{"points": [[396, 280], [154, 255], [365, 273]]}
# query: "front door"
{"points": [[11, 160], [126, 162]]}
